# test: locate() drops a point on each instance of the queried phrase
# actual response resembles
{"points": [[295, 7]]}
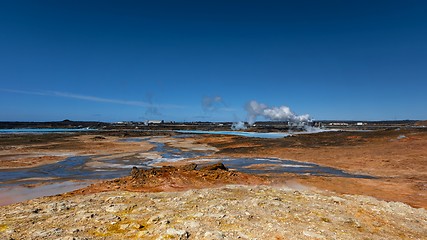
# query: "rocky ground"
{"points": [[217, 211], [229, 212]]}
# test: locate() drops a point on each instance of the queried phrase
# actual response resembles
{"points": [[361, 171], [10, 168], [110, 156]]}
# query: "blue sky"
{"points": [[204, 60]]}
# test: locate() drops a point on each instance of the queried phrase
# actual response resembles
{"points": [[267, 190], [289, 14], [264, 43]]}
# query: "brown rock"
{"points": [[214, 167], [188, 167]]}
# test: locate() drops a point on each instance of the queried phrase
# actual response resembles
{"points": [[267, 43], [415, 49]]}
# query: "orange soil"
{"points": [[398, 159], [171, 179]]}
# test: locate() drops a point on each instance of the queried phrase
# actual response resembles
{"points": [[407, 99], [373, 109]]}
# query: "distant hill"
{"points": [[60, 124]]}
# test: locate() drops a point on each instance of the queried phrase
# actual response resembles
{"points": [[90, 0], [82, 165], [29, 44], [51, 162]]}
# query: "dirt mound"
{"points": [[171, 178]]}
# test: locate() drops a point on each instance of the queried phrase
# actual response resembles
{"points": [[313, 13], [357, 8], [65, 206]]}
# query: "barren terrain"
{"points": [[283, 205], [398, 158]]}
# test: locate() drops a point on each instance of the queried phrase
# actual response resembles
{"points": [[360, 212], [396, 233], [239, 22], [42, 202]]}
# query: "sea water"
{"points": [[45, 130]]}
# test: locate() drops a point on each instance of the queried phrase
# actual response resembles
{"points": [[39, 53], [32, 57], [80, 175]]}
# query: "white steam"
{"points": [[238, 126], [282, 113]]}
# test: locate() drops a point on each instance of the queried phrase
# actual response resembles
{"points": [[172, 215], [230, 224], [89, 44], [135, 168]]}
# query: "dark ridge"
{"points": [[59, 124]]}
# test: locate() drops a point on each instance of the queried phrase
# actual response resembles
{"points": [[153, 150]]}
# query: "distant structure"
{"points": [[151, 122], [317, 124], [338, 124], [299, 124]]}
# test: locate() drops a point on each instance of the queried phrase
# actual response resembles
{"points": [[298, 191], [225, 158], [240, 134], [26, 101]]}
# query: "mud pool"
{"points": [[83, 170], [109, 166], [276, 165]]}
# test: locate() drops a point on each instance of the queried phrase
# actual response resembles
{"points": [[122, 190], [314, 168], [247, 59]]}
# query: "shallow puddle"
{"points": [[276, 165], [10, 195], [72, 168]]}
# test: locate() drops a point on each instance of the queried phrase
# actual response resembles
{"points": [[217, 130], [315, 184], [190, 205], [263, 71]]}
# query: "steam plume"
{"points": [[282, 113], [152, 109], [238, 126]]}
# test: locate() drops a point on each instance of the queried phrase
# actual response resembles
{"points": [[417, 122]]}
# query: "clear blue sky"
{"points": [[204, 60]]}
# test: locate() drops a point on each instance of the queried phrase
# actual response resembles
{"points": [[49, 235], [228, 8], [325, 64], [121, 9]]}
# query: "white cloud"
{"points": [[91, 98]]}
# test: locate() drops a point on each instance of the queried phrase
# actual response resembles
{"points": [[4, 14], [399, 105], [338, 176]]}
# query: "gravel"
{"points": [[230, 212]]}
